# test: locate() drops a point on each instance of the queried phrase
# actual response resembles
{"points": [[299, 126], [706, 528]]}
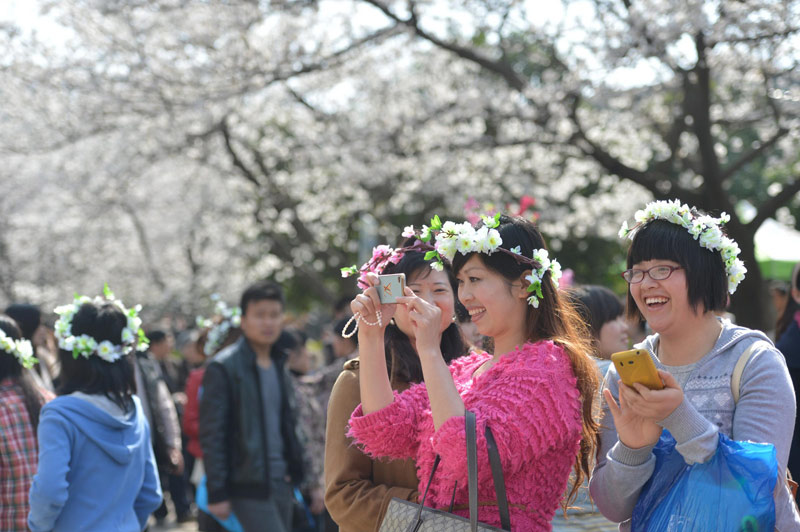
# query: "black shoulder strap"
{"points": [[414, 525], [499, 482]]}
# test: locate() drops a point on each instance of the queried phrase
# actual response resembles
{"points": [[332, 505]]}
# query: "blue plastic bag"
{"points": [[733, 491], [201, 500]]}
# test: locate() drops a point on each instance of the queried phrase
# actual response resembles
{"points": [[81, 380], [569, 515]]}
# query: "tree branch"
{"points": [[770, 206], [753, 154], [235, 159], [504, 70], [144, 244], [757, 38], [582, 141]]}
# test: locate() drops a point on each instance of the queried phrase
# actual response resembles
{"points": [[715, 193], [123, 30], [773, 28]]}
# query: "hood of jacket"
{"points": [[120, 437]]}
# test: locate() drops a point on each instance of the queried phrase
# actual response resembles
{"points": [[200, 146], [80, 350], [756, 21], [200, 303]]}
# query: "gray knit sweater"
{"points": [[765, 413]]}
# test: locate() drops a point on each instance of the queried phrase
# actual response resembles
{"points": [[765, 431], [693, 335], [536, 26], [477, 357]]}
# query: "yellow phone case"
{"points": [[635, 365]]}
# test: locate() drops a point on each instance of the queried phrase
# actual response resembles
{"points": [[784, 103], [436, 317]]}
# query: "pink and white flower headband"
{"points": [[451, 238]]}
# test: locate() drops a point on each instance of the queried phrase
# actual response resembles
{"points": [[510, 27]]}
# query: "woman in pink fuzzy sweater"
{"points": [[535, 392]]}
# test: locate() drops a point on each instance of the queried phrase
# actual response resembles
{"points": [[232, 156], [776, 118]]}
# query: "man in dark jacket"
{"points": [[247, 425]]}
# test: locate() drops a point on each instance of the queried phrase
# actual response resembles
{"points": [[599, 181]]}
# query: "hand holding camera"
{"points": [[375, 306]]}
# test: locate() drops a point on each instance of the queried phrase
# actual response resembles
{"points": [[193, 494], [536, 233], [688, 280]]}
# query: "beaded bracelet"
{"points": [[358, 317]]}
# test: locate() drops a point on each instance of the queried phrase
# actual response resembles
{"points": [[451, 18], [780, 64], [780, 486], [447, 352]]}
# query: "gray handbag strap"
{"points": [[472, 468], [472, 477], [414, 525], [499, 482]]}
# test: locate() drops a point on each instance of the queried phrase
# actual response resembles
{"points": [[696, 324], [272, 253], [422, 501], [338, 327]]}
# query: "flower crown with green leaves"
{"points": [[231, 318], [451, 238], [706, 229], [382, 256], [21, 349], [133, 336]]}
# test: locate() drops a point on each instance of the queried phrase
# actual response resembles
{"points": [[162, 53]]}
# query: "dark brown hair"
{"points": [[402, 360], [554, 320], [93, 375], [596, 305]]}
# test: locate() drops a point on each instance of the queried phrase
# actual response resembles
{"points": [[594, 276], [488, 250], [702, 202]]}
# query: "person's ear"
{"points": [[521, 288], [796, 295]]}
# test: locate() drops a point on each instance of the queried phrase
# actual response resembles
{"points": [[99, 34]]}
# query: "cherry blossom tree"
{"points": [[183, 147], [697, 102]]}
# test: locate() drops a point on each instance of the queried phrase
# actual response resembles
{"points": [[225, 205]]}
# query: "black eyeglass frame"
{"points": [[633, 271]]}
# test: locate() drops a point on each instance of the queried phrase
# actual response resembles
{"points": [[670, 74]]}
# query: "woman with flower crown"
{"points": [[20, 403], [535, 391], [681, 267], [97, 471], [359, 488]]}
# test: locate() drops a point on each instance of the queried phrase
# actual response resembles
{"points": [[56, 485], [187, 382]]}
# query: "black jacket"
{"points": [[231, 425]]}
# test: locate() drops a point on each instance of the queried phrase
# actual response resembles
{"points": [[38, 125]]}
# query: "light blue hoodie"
{"points": [[97, 471], [765, 413]]}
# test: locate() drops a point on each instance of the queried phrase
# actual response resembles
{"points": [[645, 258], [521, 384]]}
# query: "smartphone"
{"points": [[391, 287], [635, 365]]}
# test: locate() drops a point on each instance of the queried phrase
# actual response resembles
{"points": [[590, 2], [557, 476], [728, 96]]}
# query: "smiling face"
{"points": [[434, 287], [497, 306], [665, 303]]}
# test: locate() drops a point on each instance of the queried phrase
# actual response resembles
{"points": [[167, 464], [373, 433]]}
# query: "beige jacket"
{"points": [[357, 488]]}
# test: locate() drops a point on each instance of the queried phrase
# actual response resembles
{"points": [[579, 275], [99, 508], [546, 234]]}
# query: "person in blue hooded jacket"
{"points": [[96, 471]]}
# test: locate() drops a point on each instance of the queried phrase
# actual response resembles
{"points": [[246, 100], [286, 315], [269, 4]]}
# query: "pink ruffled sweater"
{"points": [[530, 400]]}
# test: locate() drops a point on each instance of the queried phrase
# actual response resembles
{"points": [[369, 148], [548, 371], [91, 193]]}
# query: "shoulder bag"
{"points": [[405, 516]]}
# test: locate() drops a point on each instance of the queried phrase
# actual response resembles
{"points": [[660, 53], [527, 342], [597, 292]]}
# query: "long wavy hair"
{"points": [[555, 320], [402, 360]]}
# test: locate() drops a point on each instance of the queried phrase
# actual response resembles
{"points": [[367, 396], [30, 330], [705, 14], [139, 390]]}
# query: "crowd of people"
{"points": [[238, 423]]}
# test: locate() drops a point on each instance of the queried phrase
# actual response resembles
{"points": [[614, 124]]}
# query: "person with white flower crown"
{"points": [[20, 403], [97, 471], [535, 391], [358, 488], [681, 268]]}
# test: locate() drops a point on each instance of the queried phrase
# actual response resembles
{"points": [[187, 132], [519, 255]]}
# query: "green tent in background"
{"points": [[777, 249]]}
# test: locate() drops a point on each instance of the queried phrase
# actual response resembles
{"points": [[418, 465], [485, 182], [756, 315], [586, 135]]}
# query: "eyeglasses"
{"points": [[657, 273]]}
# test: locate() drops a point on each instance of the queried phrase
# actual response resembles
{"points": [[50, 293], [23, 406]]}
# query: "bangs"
{"points": [[706, 279], [662, 240]]}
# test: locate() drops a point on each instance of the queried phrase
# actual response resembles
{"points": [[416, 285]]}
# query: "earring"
{"points": [[454, 318]]}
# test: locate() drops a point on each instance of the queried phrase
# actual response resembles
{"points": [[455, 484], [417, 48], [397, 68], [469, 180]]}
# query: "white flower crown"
{"points": [[21, 349], [133, 336], [452, 238], [705, 229], [217, 332]]}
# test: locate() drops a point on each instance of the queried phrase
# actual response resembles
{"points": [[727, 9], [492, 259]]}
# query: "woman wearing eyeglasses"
{"points": [[681, 268]]}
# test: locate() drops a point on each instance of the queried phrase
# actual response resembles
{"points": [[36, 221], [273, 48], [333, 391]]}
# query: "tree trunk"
{"points": [[751, 303]]}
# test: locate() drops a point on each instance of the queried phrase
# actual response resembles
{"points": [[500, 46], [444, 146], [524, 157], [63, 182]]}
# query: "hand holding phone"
{"points": [[391, 286], [636, 365]]}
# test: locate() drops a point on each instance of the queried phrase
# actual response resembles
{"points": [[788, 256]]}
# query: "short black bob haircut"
{"points": [[402, 360], [260, 291], [597, 305], [706, 277], [93, 375]]}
